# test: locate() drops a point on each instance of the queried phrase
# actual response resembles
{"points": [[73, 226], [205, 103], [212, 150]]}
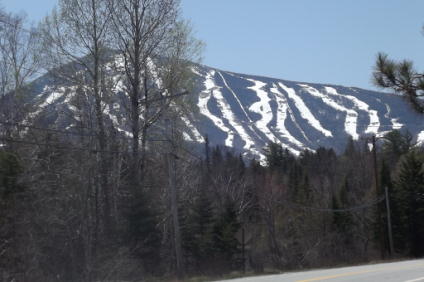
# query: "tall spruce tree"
{"points": [[408, 206], [197, 232], [10, 261], [343, 221], [143, 236], [225, 243]]}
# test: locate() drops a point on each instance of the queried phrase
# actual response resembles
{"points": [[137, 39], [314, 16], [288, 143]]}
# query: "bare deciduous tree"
{"points": [[75, 35], [141, 28], [20, 62]]}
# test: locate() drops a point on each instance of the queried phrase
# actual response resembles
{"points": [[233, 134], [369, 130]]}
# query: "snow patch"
{"points": [[55, 95], [351, 115], [281, 118], [202, 103], [232, 119], [374, 124], [420, 138], [395, 121], [304, 110], [114, 120], [197, 136], [187, 137], [263, 108], [196, 72], [213, 90], [154, 72]]}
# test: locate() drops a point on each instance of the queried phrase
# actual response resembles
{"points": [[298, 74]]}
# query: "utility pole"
{"points": [[377, 192], [374, 155], [389, 221], [243, 251], [173, 196]]}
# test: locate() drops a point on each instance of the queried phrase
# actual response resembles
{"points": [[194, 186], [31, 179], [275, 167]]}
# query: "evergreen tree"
{"points": [[197, 232], [10, 169], [297, 183], [402, 78], [342, 220], [396, 144], [278, 157], [143, 236], [350, 149], [224, 236], [408, 206], [274, 155]]}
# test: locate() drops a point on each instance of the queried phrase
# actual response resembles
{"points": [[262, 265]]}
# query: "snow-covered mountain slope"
{"points": [[246, 112]]}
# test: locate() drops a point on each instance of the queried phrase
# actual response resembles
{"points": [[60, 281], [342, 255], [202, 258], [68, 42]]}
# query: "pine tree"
{"points": [[402, 78], [396, 144]]}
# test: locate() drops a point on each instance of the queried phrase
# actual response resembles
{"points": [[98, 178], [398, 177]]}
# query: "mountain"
{"points": [[245, 112]]}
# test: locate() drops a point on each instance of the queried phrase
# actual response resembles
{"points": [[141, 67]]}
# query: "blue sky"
{"points": [[326, 41]]}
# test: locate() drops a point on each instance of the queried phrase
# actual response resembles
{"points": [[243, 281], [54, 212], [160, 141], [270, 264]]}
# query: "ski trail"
{"points": [[293, 119], [395, 121], [195, 133], [251, 122], [52, 98], [304, 111], [263, 108], [116, 124], [235, 96], [281, 118], [420, 138], [231, 118], [351, 115], [227, 114], [374, 124], [202, 103]]}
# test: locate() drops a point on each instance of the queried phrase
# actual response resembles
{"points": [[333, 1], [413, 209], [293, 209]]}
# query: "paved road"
{"points": [[405, 271]]}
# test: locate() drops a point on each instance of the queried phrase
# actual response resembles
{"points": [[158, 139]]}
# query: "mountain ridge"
{"points": [[246, 112]]}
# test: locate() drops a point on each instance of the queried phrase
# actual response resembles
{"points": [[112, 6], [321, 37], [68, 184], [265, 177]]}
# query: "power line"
{"points": [[58, 146], [81, 134], [349, 209], [19, 125]]}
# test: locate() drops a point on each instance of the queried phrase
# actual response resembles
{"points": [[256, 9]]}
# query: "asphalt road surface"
{"points": [[404, 271]]}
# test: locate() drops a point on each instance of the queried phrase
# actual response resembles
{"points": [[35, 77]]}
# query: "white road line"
{"points": [[415, 280]]}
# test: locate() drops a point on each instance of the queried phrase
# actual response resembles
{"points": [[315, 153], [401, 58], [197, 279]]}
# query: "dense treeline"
{"points": [[316, 209]]}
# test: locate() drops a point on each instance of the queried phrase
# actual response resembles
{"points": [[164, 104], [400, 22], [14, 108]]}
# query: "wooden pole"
{"points": [[174, 199], [389, 221], [377, 192], [243, 252]]}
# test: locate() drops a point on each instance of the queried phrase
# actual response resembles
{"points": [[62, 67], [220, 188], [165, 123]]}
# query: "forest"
{"points": [[318, 209], [89, 203]]}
